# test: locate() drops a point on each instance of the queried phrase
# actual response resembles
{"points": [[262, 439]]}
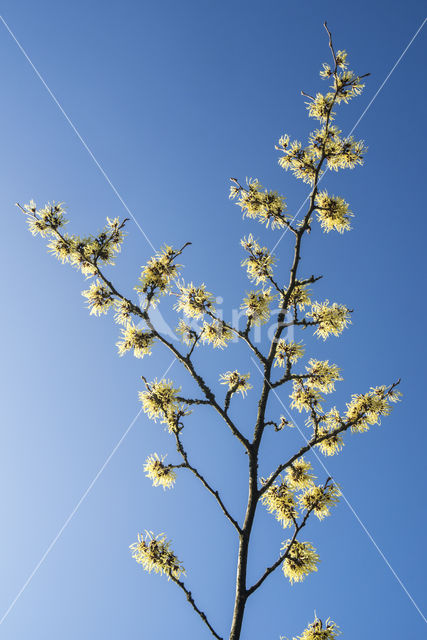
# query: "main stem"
{"points": [[242, 562], [253, 495]]}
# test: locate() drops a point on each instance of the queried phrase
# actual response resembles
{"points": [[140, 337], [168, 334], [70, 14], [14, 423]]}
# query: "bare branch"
{"points": [[193, 400], [187, 465], [190, 599]]}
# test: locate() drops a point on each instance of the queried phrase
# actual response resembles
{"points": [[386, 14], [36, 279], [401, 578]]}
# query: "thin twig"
{"points": [[190, 599]]}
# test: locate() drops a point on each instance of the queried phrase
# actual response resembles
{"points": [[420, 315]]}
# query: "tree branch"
{"points": [[187, 465], [314, 442], [190, 599], [284, 555], [185, 360]]}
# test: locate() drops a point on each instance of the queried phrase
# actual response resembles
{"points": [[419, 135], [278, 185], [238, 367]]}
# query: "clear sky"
{"points": [[174, 98]]}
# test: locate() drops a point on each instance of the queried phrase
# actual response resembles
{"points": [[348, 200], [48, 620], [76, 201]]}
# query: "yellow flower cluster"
{"points": [[301, 560], [161, 474], [345, 82], [320, 107], [187, 333], [237, 382], [86, 253], [155, 554], [287, 351], [366, 409], [340, 153], [332, 212], [194, 301], [257, 305], [305, 398], [299, 476], [299, 296], [136, 339], [319, 499], [280, 500], [99, 298], [316, 631], [326, 71], [341, 58], [46, 220], [266, 206], [259, 263], [302, 162], [322, 375], [158, 273], [330, 422], [216, 333], [160, 401], [284, 423], [345, 153], [123, 311], [331, 445], [347, 86], [331, 319]]}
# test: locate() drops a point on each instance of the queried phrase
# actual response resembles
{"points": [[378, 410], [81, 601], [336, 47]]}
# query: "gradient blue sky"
{"points": [[173, 98]]}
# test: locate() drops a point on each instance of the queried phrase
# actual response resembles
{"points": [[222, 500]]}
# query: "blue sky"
{"points": [[173, 99]]}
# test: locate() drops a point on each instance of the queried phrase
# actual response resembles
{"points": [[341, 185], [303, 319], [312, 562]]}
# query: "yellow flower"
{"points": [[155, 554], [300, 161], [319, 499], [216, 333], [321, 107], [161, 474], [331, 319], [299, 476], [366, 409], [332, 212], [347, 86], [326, 71], [341, 57], [61, 248], [159, 400], [194, 301], [346, 153], [259, 263], [257, 305], [316, 631], [237, 382], [136, 339], [299, 296], [322, 375], [301, 560], [333, 444], [285, 423], [123, 311], [158, 273], [287, 350], [305, 398], [266, 206], [187, 333], [45, 221], [279, 500], [99, 298]]}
